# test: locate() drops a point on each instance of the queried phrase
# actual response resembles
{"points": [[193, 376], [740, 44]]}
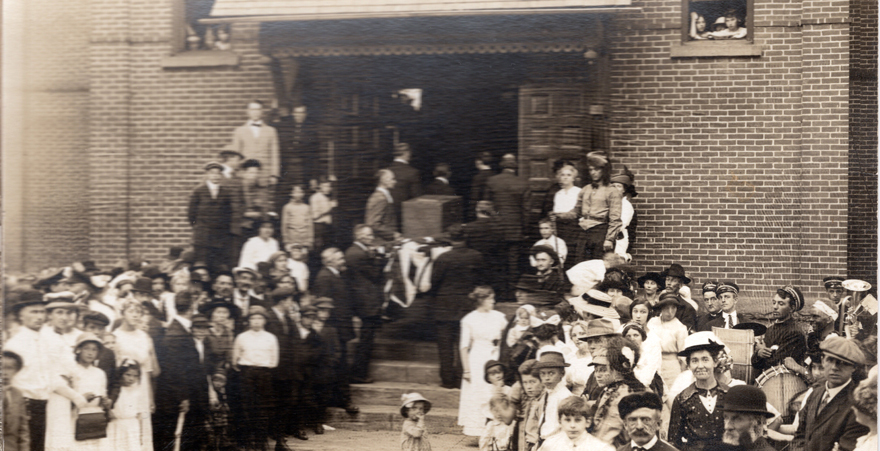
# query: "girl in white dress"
{"points": [[133, 343], [577, 375], [481, 332], [91, 382], [124, 431]]}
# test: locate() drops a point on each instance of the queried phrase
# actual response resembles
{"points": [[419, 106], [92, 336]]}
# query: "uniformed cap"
{"points": [[96, 318], [727, 287], [710, 286], [795, 294], [843, 349], [213, 165], [833, 282]]}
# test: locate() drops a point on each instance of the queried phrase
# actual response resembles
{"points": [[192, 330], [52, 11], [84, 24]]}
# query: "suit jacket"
{"points": [[183, 376], [265, 148], [16, 431], [213, 220], [328, 284], [706, 322], [483, 235], [659, 446], [835, 424], [305, 353], [438, 188], [478, 189], [455, 274], [328, 355], [510, 195], [409, 182], [107, 363], [365, 271], [284, 370], [380, 216]]}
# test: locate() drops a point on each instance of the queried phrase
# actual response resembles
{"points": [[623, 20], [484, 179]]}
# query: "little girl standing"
{"points": [[124, 430], [413, 436]]}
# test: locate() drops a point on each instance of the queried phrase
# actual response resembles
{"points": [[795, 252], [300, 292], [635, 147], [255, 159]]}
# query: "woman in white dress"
{"points": [[133, 343], [564, 201], [671, 333], [577, 375], [481, 332]]}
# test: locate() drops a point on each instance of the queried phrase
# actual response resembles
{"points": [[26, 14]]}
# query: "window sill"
{"points": [[715, 49], [201, 58]]}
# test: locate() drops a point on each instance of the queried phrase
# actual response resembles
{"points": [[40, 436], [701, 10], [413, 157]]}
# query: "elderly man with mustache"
{"points": [[641, 418]]}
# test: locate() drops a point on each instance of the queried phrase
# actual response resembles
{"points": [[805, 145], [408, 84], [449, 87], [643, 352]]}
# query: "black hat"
{"points": [[656, 277], [630, 403], [97, 318], [833, 282], [281, 293], [208, 308], [490, 364], [675, 270], [746, 399], [143, 285], [199, 320], [47, 280], [174, 252], [669, 299], [758, 328], [551, 359], [24, 299], [535, 250], [726, 287]]}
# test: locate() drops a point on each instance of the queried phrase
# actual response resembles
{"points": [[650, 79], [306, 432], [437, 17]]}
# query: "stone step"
{"points": [[388, 418], [425, 373], [396, 349], [388, 394]]}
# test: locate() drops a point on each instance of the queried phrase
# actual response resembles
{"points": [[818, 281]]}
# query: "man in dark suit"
{"points": [[640, 413], [279, 324], [510, 195], [182, 386], [478, 183], [305, 345], [409, 182], [212, 210], [380, 214], [482, 235], [365, 268], [331, 386], [828, 418], [440, 185], [713, 316], [455, 274]]}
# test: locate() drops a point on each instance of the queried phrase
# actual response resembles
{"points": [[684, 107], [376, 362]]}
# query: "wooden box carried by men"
{"points": [[430, 215]]}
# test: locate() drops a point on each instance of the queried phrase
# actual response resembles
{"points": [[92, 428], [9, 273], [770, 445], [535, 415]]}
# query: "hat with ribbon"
{"points": [[551, 359], [746, 399], [701, 341], [596, 303]]}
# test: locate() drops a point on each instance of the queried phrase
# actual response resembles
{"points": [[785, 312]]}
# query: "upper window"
{"points": [[717, 20]]}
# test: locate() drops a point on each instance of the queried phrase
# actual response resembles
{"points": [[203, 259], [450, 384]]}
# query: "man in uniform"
{"points": [[713, 316], [728, 292], [784, 337]]}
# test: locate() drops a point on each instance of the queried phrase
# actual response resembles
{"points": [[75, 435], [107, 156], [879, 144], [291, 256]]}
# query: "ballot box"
{"points": [[430, 215]]}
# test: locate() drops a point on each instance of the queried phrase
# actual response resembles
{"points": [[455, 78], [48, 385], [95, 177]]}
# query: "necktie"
{"points": [[543, 413], [727, 321], [825, 400]]}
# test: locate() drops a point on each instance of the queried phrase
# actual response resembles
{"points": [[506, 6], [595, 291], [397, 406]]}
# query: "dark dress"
{"points": [[691, 422]]}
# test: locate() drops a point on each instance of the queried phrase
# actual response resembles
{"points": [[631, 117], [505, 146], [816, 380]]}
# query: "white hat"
{"points": [[407, 399]]}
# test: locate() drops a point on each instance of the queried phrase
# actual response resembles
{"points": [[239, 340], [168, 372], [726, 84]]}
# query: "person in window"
{"points": [[732, 27], [698, 27]]}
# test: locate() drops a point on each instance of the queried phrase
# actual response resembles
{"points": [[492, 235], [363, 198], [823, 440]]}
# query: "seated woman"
{"points": [[614, 372]]}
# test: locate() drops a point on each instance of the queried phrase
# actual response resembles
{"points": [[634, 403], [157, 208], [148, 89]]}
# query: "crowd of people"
{"points": [[242, 340]]}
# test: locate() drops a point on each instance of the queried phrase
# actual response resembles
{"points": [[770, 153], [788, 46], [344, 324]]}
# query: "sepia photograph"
{"points": [[487, 225]]}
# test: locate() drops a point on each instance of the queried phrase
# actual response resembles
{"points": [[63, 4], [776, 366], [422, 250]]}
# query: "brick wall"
{"points": [[741, 162], [55, 126], [862, 231]]}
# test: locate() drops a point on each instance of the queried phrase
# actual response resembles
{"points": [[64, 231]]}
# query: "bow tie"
{"points": [[639, 448], [256, 124]]}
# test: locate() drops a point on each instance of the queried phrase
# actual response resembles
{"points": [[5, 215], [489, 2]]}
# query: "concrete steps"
{"points": [[388, 394], [388, 418], [405, 371]]}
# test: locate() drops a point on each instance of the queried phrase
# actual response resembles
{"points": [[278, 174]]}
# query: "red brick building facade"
{"points": [[755, 162]]}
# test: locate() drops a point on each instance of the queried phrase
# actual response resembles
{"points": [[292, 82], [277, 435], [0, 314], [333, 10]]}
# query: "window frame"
{"points": [[710, 48]]}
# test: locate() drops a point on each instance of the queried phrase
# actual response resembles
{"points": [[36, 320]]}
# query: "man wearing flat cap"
{"points": [[745, 415], [828, 419], [212, 211], [641, 418], [784, 337]]}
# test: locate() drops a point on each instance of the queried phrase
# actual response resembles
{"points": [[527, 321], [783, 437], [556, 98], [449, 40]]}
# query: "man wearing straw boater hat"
{"points": [[784, 337], [828, 419], [745, 415]]}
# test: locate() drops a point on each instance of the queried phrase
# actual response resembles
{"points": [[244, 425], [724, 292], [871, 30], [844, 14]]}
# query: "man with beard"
{"points": [[745, 413], [223, 287], [713, 317], [784, 337], [641, 418]]}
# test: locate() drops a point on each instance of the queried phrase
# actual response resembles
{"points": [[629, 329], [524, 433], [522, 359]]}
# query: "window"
{"points": [[716, 28], [195, 44], [717, 20]]}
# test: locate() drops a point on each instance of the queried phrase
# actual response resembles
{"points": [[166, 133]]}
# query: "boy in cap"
{"points": [[784, 337], [641, 418], [211, 212], [96, 323], [828, 420], [551, 368], [745, 415]]}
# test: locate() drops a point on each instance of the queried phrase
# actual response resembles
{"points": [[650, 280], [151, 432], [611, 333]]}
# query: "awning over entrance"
{"points": [[298, 10]]}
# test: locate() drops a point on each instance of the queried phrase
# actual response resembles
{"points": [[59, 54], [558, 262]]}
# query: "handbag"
{"points": [[90, 426]]}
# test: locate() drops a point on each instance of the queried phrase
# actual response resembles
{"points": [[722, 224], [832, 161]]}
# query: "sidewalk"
{"points": [[342, 440]]}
